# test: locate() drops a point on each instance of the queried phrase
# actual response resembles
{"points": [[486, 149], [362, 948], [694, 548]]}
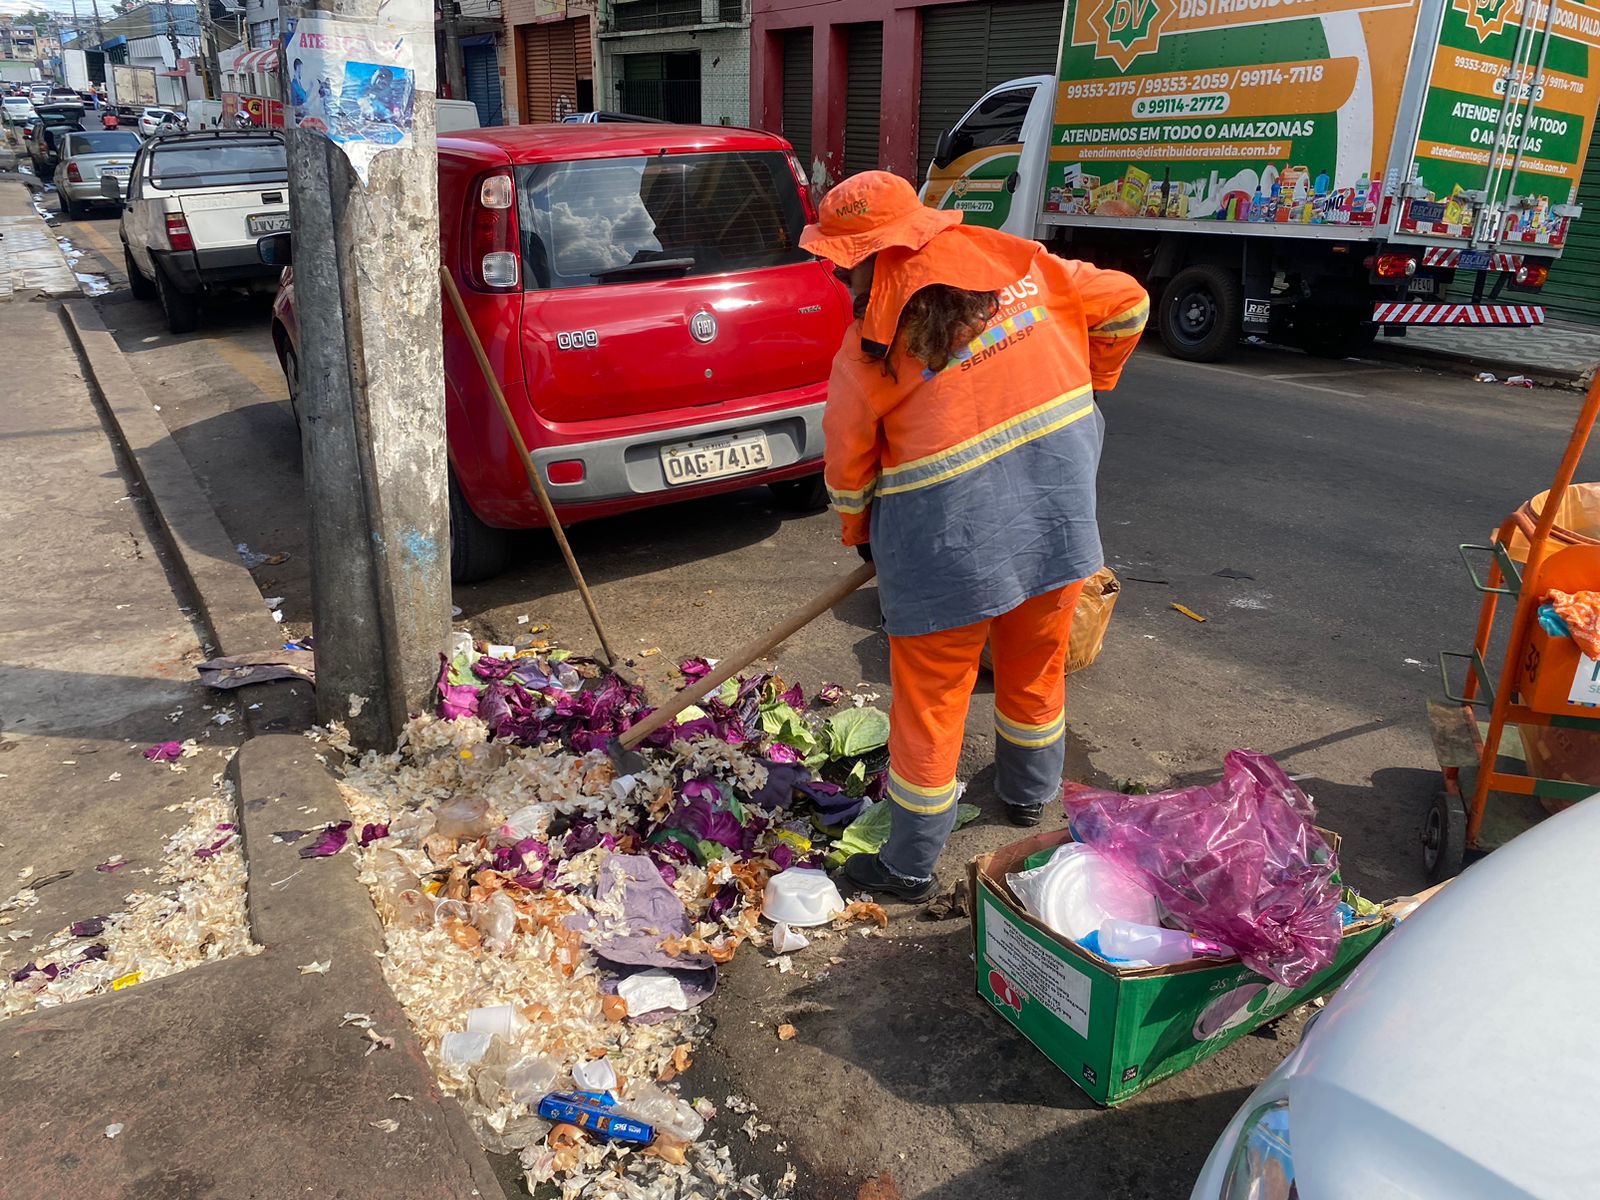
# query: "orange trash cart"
{"points": [[1542, 701]]}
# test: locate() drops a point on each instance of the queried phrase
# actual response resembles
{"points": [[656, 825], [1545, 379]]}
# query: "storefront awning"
{"points": [[246, 60]]}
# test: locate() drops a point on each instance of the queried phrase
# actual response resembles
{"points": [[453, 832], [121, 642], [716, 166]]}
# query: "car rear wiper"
{"points": [[649, 264]]}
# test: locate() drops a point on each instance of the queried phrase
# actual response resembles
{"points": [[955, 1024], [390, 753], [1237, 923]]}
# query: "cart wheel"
{"points": [[1444, 837]]}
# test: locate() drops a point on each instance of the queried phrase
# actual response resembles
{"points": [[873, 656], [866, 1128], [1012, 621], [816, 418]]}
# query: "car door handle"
{"points": [[1012, 180]]}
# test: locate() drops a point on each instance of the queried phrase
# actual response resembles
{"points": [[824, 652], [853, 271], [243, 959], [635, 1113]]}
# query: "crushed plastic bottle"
{"points": [[533, 1077], [669, 1115], [496, 919], [461, 1050], [463, 816], [400, 898], [1155, 945]]}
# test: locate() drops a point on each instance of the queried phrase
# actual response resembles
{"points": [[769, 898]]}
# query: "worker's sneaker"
{"points": [[866, 871], [1021, 814]]}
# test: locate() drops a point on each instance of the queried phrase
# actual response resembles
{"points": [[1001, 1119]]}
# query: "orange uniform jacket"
{"points": [[975, 482]]}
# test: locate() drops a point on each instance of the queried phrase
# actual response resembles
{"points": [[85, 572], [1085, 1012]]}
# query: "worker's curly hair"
{"points": [[936, 322]]}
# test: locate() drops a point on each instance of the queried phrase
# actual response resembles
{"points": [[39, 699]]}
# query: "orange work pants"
{"points": [[932, 676]]}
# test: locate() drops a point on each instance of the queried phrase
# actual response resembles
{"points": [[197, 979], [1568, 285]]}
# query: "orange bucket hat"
{"points": [[870, 212]]}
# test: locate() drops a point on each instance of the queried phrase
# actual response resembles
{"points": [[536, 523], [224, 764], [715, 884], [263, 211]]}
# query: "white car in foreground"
{"points": [[1459, 1062]]}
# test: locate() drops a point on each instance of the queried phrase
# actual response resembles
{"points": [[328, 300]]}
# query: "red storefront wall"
{"points": [[902, 69]]}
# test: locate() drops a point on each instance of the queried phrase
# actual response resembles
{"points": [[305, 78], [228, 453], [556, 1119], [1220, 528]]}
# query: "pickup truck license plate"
{"points": [[261, 224], [1472, 260], [695, 462]]}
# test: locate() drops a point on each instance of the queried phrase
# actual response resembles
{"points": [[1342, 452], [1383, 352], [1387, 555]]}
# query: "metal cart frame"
{"points": [[1488, 797]]}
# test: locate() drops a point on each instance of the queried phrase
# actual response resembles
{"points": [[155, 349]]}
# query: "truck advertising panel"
{"points": [[1285, 112], [1465, 117]]}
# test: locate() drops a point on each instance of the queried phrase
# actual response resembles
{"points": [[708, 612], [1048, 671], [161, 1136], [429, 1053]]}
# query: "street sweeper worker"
{"points": [[962, 441]]}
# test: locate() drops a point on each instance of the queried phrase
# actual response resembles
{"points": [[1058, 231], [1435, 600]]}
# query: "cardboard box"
{"points": [[1114, 1031]]}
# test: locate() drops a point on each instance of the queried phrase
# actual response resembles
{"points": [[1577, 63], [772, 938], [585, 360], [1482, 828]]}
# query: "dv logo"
{"points": [[1489, 17], [1006, 992], [1125, 29]]}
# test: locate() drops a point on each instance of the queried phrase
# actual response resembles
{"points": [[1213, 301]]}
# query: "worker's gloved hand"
{"points": [[865, 550]]}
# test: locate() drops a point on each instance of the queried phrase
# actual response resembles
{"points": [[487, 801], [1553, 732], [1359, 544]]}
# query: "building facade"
{"points": [[678, 60], [549, 54], [863, 84]]}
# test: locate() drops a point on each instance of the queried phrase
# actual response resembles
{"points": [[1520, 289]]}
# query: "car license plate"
{"points": [[261, 224], [1472, 260], [695, 462], [115, 172]]}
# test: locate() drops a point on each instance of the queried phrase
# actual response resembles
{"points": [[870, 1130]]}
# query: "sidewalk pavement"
{"points": [[31, 262], [237, 1077], [1560, 352]]}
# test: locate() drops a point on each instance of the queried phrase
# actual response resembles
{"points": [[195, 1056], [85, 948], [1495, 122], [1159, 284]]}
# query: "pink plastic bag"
{"points": [[1237, 862]]}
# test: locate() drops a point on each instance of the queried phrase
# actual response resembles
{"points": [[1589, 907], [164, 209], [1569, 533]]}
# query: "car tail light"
{"points": [[178, 232], [568, 470], [1532, 275], [1393, 266], [798, 170], [493, 262]]}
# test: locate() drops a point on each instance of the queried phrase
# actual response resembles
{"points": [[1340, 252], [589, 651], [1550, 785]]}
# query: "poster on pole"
{"points": [[356, 83]]}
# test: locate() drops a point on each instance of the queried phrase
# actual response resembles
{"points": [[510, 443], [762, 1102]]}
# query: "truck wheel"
{"points": [[477, 551], [182, 309], [1202, 310], [140, 286], [804, 495]]}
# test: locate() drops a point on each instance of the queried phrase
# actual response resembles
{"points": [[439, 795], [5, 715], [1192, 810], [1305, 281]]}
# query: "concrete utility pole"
{"points": [[455, 72], [371, 373]]}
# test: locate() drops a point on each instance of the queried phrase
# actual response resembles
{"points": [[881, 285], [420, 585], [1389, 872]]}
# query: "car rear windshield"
{"points": [[615, 220], [218, 164], [110, 142]]}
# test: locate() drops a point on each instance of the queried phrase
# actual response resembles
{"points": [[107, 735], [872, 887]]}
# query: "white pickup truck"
{"points": [[194, 207]]}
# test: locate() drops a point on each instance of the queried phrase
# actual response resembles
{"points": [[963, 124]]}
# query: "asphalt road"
{"points": [[1340, 490]]}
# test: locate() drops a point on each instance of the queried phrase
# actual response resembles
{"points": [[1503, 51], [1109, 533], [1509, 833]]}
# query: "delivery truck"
{"points": [[1308, 171], [134, 87]]}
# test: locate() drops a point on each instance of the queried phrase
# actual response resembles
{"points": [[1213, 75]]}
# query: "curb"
{"points": [[1470, 364], [318, 909], [229, 603]]}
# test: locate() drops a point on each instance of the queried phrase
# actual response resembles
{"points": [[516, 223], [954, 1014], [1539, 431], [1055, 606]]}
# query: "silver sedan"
{"points": [[85, 156]]}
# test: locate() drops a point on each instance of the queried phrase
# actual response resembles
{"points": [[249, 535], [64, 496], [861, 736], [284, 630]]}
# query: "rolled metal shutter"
{"points": [[483, 82], [797, 92], [1573, 291], [969, 48], [555, 57], [863, 100]]}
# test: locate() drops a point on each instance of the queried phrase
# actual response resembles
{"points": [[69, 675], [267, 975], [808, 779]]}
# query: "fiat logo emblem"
{"points": [[703, 326]]}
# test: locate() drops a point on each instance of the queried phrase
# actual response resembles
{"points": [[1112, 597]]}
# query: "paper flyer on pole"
{"points": [[355, 82]]}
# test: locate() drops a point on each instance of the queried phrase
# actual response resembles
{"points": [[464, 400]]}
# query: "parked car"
{"points": [[193, 208], [602, 117], [1454, 1063], [42, 136], [85, 158], [648, 311], [453, 116], [17, 110], [154, 120]]}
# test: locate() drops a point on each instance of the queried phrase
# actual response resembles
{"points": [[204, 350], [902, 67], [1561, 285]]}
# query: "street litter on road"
{"points": [[553, 924]]}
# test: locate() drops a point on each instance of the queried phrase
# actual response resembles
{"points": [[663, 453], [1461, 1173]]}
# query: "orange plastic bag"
{"points": [[1577, 521]]}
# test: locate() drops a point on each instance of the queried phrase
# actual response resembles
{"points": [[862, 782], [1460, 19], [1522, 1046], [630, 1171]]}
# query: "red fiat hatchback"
{"points": [[641, 293]]}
